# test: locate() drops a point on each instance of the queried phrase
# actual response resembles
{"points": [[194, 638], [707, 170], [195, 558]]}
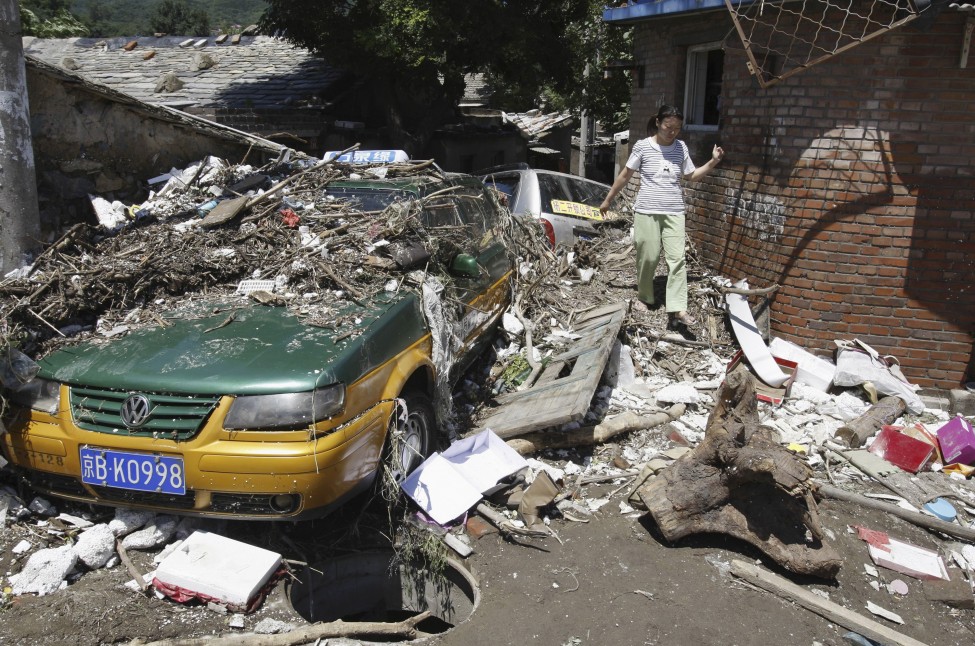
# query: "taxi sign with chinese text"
{"points": [[368, 156], [563, 207]]}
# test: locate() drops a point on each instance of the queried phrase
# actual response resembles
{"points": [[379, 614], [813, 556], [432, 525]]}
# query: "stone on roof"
{"points": [[259, 72]]}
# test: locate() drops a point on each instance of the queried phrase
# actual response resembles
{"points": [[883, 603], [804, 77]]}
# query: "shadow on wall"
{"points": [[941, 266], [875, 180]]}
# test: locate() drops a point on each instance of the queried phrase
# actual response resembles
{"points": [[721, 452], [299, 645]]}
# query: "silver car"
{"points": [[568, 205]]}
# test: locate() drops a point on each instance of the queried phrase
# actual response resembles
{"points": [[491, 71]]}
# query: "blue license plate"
{"points": [[137, 471]]}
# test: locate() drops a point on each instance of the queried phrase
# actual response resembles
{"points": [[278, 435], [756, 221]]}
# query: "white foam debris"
{"points": [[127, 521], [96, 546], [45, 571], [682, 392], [156, 533]]}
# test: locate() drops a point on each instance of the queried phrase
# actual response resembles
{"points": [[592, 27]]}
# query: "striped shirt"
{"points": [[660, 179]]}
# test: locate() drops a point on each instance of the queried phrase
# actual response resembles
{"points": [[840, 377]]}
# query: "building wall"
{"points": [[85, 143], [303, 129], [851, 185]]}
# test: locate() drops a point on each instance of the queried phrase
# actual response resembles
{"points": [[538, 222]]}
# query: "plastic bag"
{"points": [[857, 363], [16, 368]]}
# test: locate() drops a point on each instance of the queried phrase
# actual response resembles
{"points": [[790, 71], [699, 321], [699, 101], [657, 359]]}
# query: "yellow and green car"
{"points": [[268, 417]]}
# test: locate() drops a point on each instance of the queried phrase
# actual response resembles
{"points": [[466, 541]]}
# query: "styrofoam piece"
{"points": [[751, 341], [96, 546], [218, 567], [45, 571], [813, 371], [682, 392], [254, 285]]}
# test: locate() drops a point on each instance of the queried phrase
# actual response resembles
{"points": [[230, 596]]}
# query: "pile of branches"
{"points": [[318, 249]]}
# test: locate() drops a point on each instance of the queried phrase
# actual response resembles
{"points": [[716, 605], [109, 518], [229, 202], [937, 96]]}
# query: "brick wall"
{"points": [[851, 185]]}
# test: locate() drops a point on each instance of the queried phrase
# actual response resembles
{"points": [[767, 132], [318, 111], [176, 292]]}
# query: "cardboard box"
{"points": [[812, 371], [216, 568], [957, 440], [764, 392]]}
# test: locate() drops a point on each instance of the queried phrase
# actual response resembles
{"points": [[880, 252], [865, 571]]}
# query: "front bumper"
{"points": [[239, 474]]}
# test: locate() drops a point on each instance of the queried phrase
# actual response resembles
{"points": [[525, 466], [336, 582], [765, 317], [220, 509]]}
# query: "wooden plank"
{"points": [[832, 611], [556, 398]]}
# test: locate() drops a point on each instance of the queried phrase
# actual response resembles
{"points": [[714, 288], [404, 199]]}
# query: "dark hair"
{"points": [[664, 112]]}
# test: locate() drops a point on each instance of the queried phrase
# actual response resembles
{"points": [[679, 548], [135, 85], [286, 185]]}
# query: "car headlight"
{"points": [[288, 410], [38, 394]]}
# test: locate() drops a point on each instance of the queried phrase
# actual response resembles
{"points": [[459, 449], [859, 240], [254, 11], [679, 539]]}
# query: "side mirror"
{"points": [[465, 265]]}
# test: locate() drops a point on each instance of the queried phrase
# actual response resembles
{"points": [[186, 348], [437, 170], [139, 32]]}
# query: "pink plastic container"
{"points": [[957, 440]]}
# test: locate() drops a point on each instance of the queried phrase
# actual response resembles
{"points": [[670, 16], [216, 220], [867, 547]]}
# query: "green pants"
{"points": [[653, 232]]}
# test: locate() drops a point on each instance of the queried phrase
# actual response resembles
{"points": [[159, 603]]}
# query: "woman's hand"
{"points": [[717, 154]]}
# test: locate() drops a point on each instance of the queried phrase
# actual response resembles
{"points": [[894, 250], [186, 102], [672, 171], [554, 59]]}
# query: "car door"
{"points": [[467, 221]]}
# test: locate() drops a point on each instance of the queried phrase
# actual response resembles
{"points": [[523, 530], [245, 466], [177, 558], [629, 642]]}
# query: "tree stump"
{"points": [[741, 482]]}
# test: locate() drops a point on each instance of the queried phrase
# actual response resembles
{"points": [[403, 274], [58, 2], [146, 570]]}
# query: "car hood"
{"points": [[243, 350]]}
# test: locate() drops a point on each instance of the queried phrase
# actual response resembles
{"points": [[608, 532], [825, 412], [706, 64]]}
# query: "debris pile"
{"points": [[749, 428], [274, 234]]}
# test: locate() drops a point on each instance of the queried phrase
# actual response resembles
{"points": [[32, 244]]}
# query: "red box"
{"points": [[901, 450]]}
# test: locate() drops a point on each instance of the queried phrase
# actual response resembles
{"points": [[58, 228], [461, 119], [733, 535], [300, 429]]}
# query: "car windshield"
{"points": [[558, 187], [368, 199], [507, 184]]}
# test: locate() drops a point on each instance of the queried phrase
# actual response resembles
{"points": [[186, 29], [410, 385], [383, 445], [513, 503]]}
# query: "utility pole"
{"points": [[583, 135], [583, 143], [19, 217]]}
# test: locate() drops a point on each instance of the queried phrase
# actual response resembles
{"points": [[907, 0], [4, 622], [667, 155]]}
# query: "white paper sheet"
{"points": [[449, 483]]}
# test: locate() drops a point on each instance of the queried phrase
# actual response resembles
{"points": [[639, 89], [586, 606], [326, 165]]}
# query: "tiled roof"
{"points": [[258, 72], [477, 92], [534, 123]]}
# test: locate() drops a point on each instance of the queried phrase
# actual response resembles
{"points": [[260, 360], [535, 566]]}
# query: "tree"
{"points": [[415, 53], [50, 19], [177, 17]]}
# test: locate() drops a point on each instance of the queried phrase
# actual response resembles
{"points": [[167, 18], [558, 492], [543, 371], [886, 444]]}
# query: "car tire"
{"points": [[411, 435]]}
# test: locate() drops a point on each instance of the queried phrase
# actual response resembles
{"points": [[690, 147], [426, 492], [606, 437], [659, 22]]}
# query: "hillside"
{"points": [[130, 17]]}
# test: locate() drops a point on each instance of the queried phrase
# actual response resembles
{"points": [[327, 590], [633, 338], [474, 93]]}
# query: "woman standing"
{"points": [[663, 161]]}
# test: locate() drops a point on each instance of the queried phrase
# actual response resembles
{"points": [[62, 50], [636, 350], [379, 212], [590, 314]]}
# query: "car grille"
{"points": [[220, 503], [56, 483], [176, 417], [250, 504], [149, 498]]}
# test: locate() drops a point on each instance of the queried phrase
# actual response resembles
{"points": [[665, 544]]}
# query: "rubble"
{"points": [[100, 282]]}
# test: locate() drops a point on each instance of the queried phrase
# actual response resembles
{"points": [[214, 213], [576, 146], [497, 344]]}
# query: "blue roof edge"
{"points": [[656, 8]]}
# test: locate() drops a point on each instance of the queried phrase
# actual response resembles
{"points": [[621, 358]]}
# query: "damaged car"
{"points": [[567, 206], [274, 402]]}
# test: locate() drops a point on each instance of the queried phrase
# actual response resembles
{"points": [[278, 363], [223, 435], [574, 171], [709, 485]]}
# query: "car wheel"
{"points": [[411, 434]]}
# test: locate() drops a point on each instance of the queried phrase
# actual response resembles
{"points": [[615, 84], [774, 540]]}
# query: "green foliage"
{"points": [[177, 17], [107, 18], [45, 9], [419, 50], [61, 24]]}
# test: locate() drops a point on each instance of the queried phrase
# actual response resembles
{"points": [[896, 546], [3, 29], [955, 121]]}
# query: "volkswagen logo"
{"points": [[135, 410]]}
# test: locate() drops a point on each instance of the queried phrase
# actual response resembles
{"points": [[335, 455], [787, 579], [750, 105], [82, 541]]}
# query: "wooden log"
{"points": [[405, 629], [740, 481], [822, 607], [855, 432], [592, 435], [922, 520]]}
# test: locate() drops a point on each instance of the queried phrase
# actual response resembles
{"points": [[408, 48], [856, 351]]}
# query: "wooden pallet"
{"points": [[564, 389]]}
